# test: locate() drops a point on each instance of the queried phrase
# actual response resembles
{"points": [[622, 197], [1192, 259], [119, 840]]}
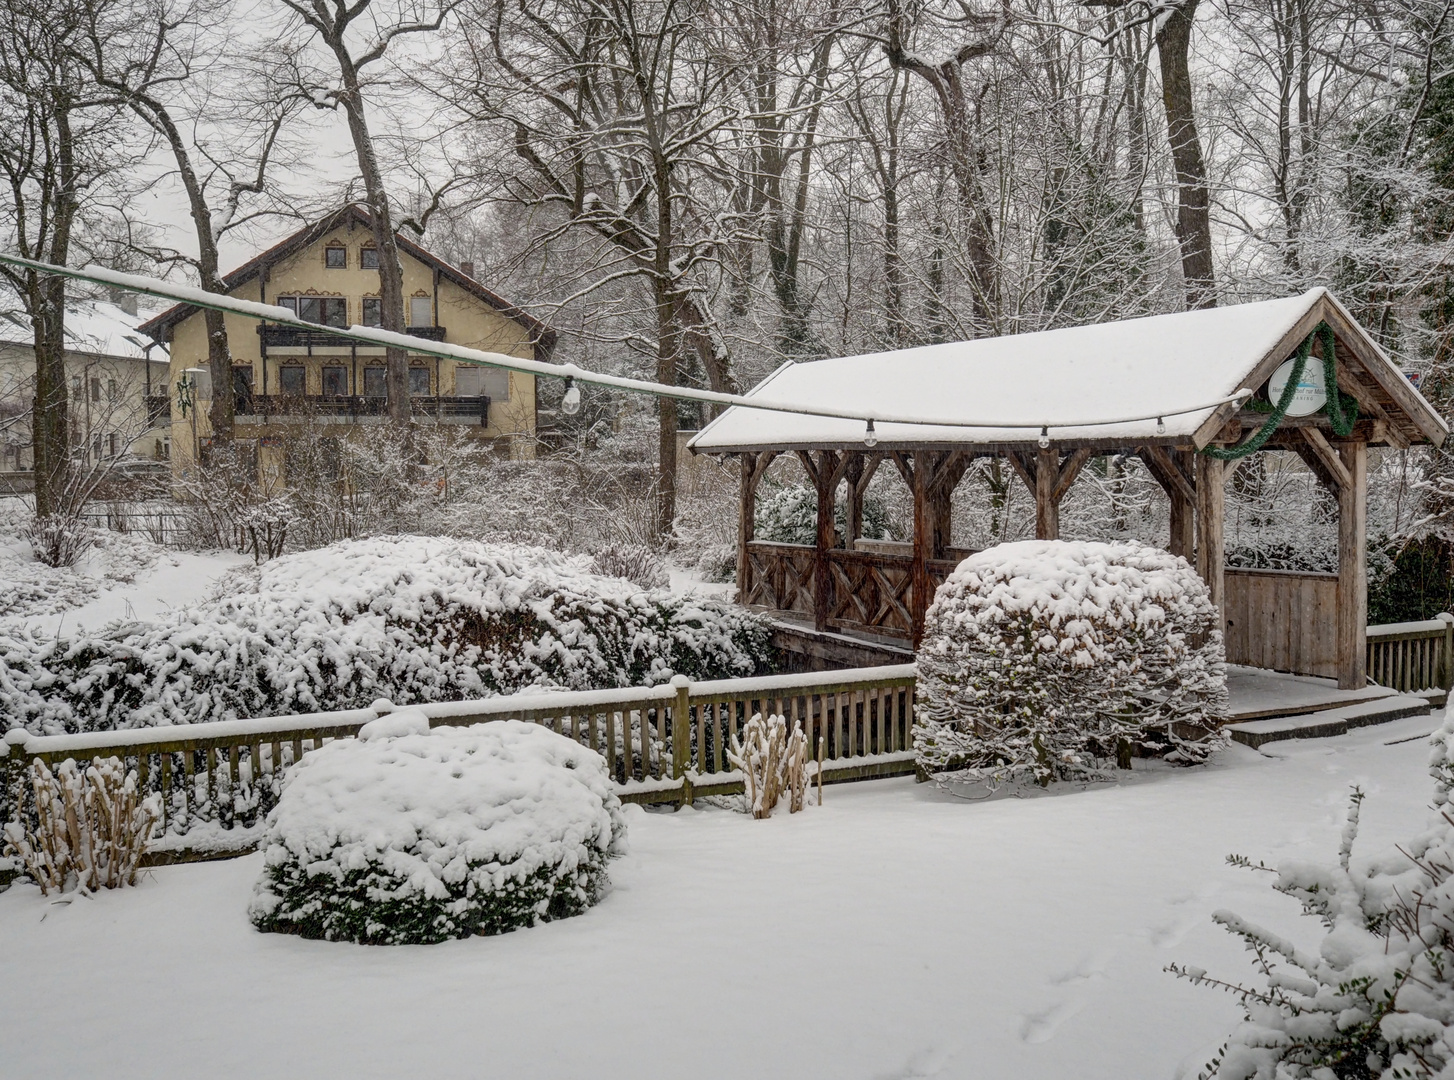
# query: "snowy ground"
{"points": [[893, 933]]}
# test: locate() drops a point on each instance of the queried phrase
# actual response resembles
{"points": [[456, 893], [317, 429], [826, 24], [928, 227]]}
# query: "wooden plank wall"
{"points": [[1283, 620]]}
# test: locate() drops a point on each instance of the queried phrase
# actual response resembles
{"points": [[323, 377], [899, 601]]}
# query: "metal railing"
{"points": [[294, 337], [348, 408]]}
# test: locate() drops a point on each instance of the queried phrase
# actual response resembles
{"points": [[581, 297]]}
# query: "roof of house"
{"points": [[1073, 380], [96, 327], [542, 334]]}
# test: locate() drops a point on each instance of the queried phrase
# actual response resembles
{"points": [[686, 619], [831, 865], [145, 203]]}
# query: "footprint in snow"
{"points": [[1040, 1027]]}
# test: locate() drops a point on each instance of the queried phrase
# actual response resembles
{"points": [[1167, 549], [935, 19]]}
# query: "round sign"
{"points": [[1311, 393]]}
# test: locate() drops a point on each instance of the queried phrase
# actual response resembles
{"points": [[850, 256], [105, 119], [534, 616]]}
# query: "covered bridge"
{"points": [[1171, 389]]}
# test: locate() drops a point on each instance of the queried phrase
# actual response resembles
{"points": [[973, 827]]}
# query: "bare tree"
{"points": [[161, 59], [59, 135], [358, 36]]}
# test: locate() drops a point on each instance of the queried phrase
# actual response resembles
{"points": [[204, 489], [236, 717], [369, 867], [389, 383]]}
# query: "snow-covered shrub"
{"points": [[772, 761], [60, 539], [90, 830], [1049, 660], [637, 563], [407, 618], [789, 515], [408, 835], [718, 563], [1376, 998]]}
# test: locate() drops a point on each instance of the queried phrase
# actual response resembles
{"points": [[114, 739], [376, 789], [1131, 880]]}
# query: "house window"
{"points": [[368, 258], [290, 379], [375, 382], [419, 381], [335, 257], [335, 381], [111, 441], [242, 384], [110, 389], [421, 311], [96, 390], [373, 311], [96, 446], [325, 310], [76, 387]]}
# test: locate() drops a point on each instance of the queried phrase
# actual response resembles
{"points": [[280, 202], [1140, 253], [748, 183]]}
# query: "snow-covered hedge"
{"points": [[408, 835], [1374, 998], [407, 618], [1050, 660]]}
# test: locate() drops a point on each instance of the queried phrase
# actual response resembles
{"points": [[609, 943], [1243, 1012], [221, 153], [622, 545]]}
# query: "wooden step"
{"points": [[1328, 722]]}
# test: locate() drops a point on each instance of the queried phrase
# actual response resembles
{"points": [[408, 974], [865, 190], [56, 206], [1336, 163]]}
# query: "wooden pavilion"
{"points": [[1058, 389]]}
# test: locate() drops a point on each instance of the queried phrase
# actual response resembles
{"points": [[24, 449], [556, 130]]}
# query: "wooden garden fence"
{"points": [[662, 744], [1413, 656]]}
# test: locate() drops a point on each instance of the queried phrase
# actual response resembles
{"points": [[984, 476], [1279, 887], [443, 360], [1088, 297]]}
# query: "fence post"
{"points": [[12, 771], [1446, 658], [681, 737]]}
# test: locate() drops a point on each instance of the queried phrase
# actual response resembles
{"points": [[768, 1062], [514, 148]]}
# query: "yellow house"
{"points": [[282, 375]]}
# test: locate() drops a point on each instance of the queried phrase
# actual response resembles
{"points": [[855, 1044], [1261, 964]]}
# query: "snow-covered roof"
{"points": [[92, 326], [1073, 381]]}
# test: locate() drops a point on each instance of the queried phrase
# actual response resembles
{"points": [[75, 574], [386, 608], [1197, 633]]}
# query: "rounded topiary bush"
{"points": [[408, 835], [1050, 660]]}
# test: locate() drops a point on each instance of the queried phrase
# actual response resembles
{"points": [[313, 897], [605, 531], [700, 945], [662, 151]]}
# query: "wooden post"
{"points": [[1182, 540], [1211, 510], [1047, 507], [746, 526], [922, 542], [826, 481], [1353, 568], [853, 473]]}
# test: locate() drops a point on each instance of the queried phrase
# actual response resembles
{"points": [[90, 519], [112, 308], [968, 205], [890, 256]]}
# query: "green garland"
{"points": [[1341, 420]]}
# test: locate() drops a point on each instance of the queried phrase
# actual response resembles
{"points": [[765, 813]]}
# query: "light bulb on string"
{"points": [[1161, 425], [1045, 437], [570, 404], [870, 437]]}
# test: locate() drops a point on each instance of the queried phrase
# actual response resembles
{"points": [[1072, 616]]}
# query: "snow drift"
{"points": [[407, 618], [411, 836]]}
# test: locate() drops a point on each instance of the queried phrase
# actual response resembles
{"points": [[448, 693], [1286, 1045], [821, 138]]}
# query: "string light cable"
{"points": [[369, 335]]}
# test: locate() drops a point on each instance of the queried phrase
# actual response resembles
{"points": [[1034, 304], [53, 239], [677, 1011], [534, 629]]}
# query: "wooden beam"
{"points": [[853, 525], [1170, 468], [1069, 470], [1211, 512], [828, 472], [922, 540], [1353, 567], [754, 467], [1047, 506], [1024, 465], [1328, 457]]}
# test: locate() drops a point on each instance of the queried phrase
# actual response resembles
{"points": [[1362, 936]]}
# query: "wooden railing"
{"points": [[661, 744], [1413, 655], [869, 590]]}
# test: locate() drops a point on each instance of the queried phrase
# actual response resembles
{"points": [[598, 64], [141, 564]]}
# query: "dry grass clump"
{"points": [[773, 760], [91, 827]]}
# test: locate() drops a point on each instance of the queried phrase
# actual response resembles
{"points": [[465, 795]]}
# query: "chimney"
{"points": [[468, 268], [128, 303]]}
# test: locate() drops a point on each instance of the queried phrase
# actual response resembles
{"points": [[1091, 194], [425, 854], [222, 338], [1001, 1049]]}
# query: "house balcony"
{"points": [[350, 409], [297, 341]]}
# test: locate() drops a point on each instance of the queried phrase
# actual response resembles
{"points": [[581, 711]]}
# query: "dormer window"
{"points": [[368, 258], [373, 311], [335, 257], [327, 310]]}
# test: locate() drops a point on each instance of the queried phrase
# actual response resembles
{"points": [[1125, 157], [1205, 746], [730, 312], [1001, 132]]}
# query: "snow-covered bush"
{"points": [[789, 515], [90, 830], [1376, 998], [407, 618], [408, 835], [718, 563], [1050, 660], [637, 563]]}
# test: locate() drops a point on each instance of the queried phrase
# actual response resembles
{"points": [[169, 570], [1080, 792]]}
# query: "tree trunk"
{"points": [[1193, 214], [391, 273], [666, 410], [49, 425]]}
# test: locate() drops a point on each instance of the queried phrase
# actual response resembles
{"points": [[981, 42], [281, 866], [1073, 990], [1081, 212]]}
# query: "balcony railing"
{"points": [[293, 337], [347, 409]]}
